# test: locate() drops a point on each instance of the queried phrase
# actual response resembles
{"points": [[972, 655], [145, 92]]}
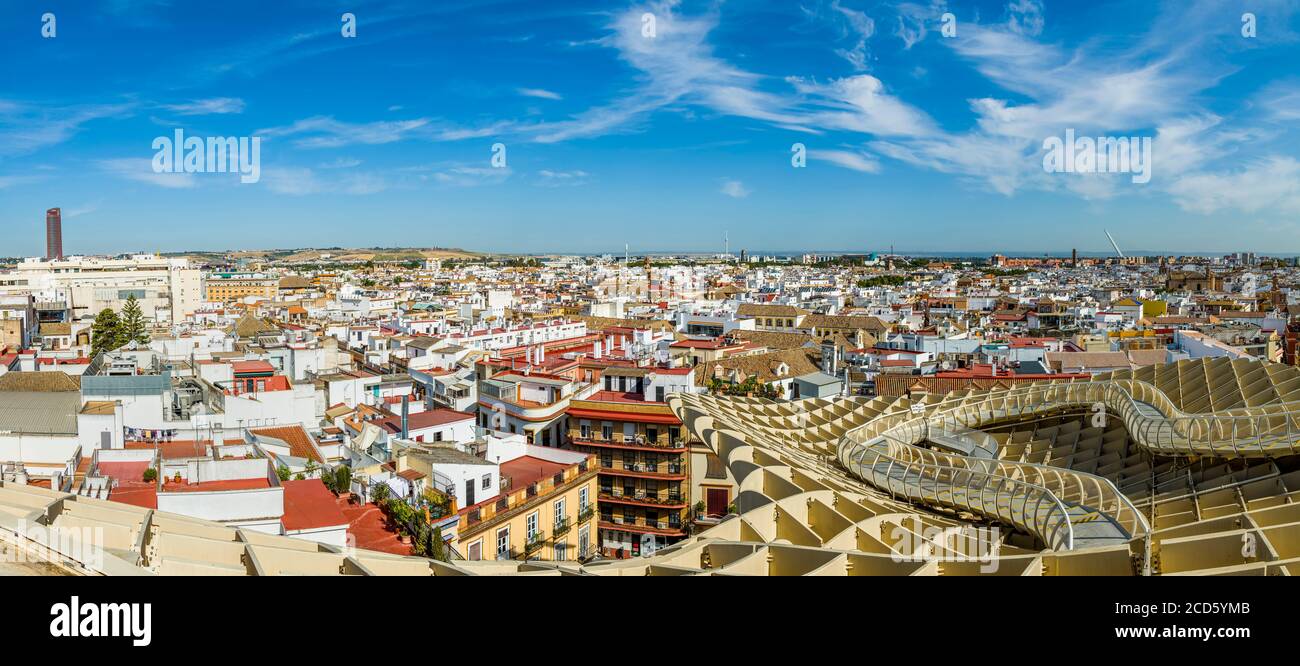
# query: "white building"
{"points": [[168, 289]]}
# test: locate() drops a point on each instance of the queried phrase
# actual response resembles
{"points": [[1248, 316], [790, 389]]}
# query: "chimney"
{"points": [[406, 414]]}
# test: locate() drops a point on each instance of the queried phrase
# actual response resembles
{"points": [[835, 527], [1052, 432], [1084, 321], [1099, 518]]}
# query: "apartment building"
{"points": [[167, 289], [529, 403], [773, 317], [500, 338], [643, 454], [226, 287], [544, 507]]}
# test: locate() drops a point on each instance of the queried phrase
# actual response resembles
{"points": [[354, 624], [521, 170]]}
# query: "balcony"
{"points": [[534, 543], [518, 499], [666, 527], [671, 471], [662, 443], [586, 513], [562, 526], [641, 497]]}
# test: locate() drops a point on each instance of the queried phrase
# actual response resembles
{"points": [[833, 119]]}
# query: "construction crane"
{"points": [[1114, 244]]}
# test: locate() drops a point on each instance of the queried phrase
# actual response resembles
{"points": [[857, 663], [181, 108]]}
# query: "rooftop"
{"points": [[308, 505]]}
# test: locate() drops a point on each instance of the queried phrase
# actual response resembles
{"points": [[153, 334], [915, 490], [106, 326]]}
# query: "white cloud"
{"points": [[848, 159], [1269, 184], [470, 176], [327, 132], [341, 163], [1026, 17], [26, 128], [302, 181], [216, 105], [734, 189], [539, 92], [914, 20], [140, 169], [551, 178], [861, 28], [861, 104]]}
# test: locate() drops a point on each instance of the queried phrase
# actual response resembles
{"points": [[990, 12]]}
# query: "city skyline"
{"points": [[683, 135]]}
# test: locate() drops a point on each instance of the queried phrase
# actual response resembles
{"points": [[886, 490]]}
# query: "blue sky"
{"points": [[913, 139]]}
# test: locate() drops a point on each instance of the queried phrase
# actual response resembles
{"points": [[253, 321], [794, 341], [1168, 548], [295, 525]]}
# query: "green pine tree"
{"points": [[133, 326], [105, 333]]}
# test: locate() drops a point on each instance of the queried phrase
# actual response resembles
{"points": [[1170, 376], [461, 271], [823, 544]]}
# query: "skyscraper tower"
{"points": [[53, 234]]}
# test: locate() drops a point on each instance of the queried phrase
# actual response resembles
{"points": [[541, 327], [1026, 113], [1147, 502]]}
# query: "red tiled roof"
{"points": [[300, 444], [426, 419], [241, 367]]}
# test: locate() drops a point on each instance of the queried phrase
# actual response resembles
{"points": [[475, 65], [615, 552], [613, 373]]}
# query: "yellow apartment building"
{"points": [[545, 511], [225, 287]]}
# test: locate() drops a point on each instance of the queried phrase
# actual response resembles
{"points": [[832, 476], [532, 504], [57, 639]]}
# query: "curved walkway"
{"points": [[1064, 508]]}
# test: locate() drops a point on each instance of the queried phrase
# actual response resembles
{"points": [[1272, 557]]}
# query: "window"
{"points": [[585, 428], [584, 541], [503, 542], [561, 552], [531, 524], [659, 394], [559, 511], [475, 551], [607, 431], [582, 498], [487, 481]]}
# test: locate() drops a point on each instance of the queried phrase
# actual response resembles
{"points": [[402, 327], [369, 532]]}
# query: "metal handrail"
{"points": [[1224, 434], [900, 433], [1049, 518]]}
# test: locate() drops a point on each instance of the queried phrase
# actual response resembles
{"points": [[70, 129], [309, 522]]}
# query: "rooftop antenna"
{"points": [[1114, 244], [726, 243]]}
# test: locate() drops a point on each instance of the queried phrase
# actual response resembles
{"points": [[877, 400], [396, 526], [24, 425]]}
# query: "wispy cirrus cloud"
{"points": [[27, 127], [471, 176], [848, 159], [140, 169], [328, 132], [203, 107], [303, 181], [552, 178], [539, 93]]}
